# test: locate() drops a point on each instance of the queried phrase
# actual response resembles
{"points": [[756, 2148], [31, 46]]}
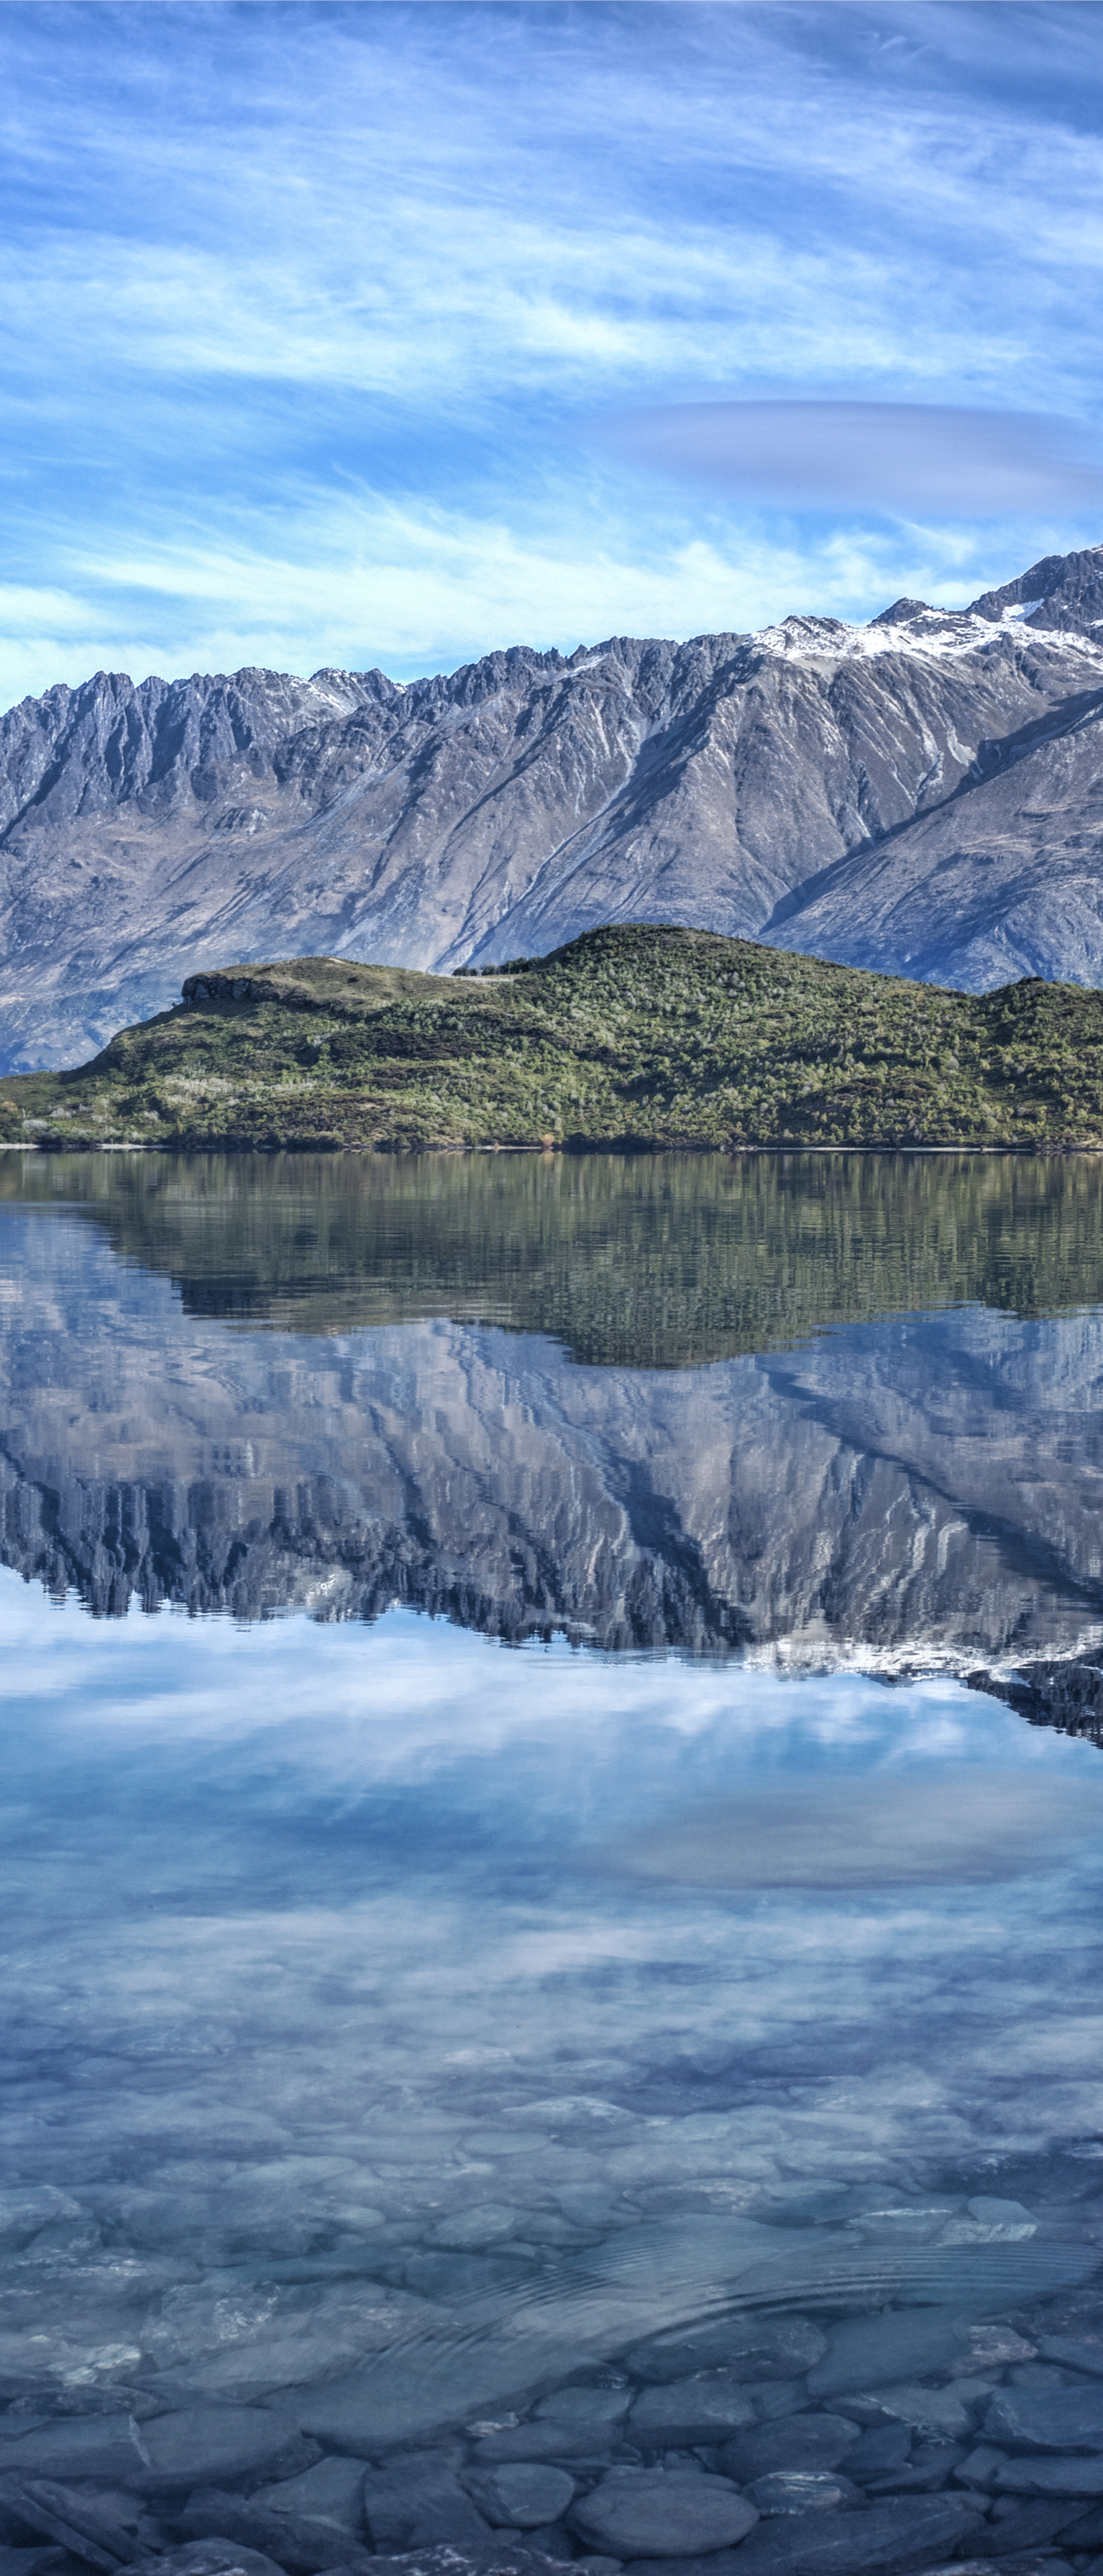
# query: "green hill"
{"points": [[628, 1038]]}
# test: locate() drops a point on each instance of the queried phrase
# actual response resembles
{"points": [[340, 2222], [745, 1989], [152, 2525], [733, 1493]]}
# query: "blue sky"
{"points": [[370, 334]]}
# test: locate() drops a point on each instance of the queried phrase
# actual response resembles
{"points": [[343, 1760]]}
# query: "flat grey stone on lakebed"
{"points": [[302, 2544], [660, 2513], [417, 2502], [898, 2344], [332, 2489], [549, 2441], [579, 2405], [884, 2540], [1073, 2352], [1072, 2473], [749, 2348], [418, 2395], [215, 2444], [799, 2442], [524, 2492], [1047, 2419], [501, 2557], [680, 2413], [790, 2491], [720, 2562], [209, 2558]]}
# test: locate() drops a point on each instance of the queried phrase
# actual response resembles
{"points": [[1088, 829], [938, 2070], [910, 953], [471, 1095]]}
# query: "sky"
{"points": [[387, 334]]}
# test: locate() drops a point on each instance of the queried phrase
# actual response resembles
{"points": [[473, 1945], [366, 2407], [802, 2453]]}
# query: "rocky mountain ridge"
{"points": [[923, 794]]}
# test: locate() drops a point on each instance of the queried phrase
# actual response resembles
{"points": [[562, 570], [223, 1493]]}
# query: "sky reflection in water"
{"points": [[331, 1942]]}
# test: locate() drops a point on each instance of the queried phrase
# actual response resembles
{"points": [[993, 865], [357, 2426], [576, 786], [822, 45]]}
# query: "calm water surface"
{"points": [[537, 1991]]}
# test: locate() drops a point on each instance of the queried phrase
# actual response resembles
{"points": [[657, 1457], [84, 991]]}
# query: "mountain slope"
{"points": [[803, 785]]}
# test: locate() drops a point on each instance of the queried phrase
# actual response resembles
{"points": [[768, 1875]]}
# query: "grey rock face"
{"points": [[922, 794]]}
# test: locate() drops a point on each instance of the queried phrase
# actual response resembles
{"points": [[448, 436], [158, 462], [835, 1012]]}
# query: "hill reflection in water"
{"points": [[823, 1406], [647, 1261]]}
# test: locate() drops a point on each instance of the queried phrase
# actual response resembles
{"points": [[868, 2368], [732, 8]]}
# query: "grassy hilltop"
{"points": [[639, 1037]]}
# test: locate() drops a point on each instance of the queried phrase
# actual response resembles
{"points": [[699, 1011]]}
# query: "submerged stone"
{"points": [[525, 2492], [892, 2345], [215, 2557], [883, 2540], [1071, 2474], [1047, 2419], [419, 2502], [302, 2546], [750, 2347], [1073, 2352], [660, 2513], [680, 2413], [579, 2405], [809, 2442], [937, 2410], [547, 2442], [877, 2452], [330, 2492], [802, 2491]]}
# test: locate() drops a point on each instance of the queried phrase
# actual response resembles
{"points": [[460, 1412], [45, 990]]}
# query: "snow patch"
{"points": [[933, 634]]}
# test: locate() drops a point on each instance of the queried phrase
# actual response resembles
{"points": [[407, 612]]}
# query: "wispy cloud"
{"points": [[258, 258]]}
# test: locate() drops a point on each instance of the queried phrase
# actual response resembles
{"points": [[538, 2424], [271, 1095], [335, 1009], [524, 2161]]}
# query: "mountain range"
{"points": [[921, 795]]}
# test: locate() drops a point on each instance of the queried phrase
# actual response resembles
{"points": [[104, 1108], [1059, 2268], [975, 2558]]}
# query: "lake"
{"points": [[553, 1839]]}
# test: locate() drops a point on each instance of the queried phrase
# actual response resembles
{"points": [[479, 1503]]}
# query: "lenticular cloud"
{"points": [[900, 457]]}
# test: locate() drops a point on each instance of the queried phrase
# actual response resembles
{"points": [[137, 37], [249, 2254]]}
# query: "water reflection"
{"points": [[653, 1261], [635, 2100], [908, 1487]]}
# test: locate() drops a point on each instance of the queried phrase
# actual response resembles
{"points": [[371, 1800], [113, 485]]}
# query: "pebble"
{"points": [[678, 2414], [419, 2503], [1073, 2352], [302, 2546], [526, 2493], [586, 2406], [1032, 2526], [876, 2453], [561, 2442], [331, 2489], [209, 2558], [662, 2514], [800, 2442], [1074, 2475], [884, 2540], [937, 2410], [1047, 2419], [897, 2344], [720, 2562], [750, 2347], [802, 2491]]}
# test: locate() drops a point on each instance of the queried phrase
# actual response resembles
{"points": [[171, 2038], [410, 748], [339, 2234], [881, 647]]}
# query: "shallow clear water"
{"points": [[659, 1973]]}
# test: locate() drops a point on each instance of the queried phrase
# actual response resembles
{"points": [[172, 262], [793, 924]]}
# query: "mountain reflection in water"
{"points": [[613, 2100], [814, 1405]]}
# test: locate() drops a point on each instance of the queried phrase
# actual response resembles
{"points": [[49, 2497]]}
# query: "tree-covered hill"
{"points": [[636, 1037]]}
